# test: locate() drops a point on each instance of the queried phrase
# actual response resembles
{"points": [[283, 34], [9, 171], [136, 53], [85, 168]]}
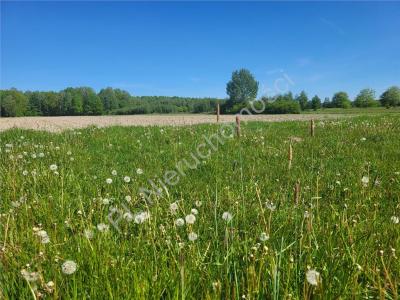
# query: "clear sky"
{"points": [[191, 48]]}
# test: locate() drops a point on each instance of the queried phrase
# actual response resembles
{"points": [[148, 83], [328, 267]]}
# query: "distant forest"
{"points": [[85, 101], [241, 90]]}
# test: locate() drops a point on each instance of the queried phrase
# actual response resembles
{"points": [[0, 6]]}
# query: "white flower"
{"points": [[270, 205], [41, 154], [53, 167], [173, 207], [141, 217], [128, 216], [25, 172], [127, 179], [139, 171], [194, 211], [30, 276], [363, 139], [264, 237], [68, 267], [190, 219], [128, 198], [227, 216], [114, 172], [365, 181], [88, 233], [313, 277], [395, 219], [44, 237], [179, 222], [198, 203], [108, 180], [192, 236], [105, 201], [69, 153], [103, 227]]}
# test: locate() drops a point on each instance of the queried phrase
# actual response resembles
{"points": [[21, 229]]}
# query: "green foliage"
{"points": [[303, 100], [316, 103], [283, 107], [242, 87], [341, 99], [366, 98], [13, 103], [391, 97]]}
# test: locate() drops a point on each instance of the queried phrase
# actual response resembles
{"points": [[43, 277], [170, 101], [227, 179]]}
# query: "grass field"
{"points": [[234, 222]]}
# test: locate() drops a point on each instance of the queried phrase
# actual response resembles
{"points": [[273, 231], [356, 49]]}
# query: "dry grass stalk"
{"points": [[297, 192], [312, 127], [290, 156]]}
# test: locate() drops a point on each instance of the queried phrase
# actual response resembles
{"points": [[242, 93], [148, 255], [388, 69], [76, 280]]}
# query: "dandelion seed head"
{"points": [[313, 277], [194, 211], [53, 167], [264, 237], [114, 173], [139, 171], [227, 216], [103, 227], [109, 180], [190, 219], [192, 236], [395, 219], [179, 222], [365, 181], [127, 179], [68, 267], [88, 233]]}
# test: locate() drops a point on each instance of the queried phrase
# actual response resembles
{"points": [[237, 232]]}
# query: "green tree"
{"points": [[242, 87], [302, 99], [13, 103], [341, 100], [109, 99], [315, 103], [391, 97], [366, 98]]}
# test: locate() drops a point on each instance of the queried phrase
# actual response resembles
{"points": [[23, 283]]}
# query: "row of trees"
{"points": [[243, 88], [85, 101]]}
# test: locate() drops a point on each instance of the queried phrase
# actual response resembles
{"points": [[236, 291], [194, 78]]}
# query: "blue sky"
{"points": [[191, 48]]}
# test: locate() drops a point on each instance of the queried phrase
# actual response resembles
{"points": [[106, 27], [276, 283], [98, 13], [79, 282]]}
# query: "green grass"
{"points": [[348, 224], [355, 110]]}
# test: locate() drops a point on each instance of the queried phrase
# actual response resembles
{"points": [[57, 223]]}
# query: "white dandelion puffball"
{"points": [[173, 207], [88, 233], [264, 237], [128, 216], [198, 203], [127, 179], [179, 222], [25, 172], [227, 216], [108, 180], [139, 171], [68, 267], [395, 219], [141, 217], [190, 219], [365, 181], [192, 236], [114, 173], [30, 276], [194, 211], [44, 237], [128, 198], [313, 277], [105, 201], [103, 227], [53, 167]]}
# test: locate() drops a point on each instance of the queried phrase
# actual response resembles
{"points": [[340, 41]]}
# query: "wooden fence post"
{"points": [[217, 112], [237, 125]]}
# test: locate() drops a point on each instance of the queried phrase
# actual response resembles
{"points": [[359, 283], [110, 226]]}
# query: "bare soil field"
{"points": [[57, 124]]}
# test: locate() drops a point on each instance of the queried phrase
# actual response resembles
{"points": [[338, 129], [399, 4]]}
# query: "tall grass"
{"points": [[345, 179]]}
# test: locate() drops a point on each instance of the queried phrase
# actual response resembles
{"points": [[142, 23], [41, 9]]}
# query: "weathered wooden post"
{"points": [[312, 127], [238, 125], [217, 112]]}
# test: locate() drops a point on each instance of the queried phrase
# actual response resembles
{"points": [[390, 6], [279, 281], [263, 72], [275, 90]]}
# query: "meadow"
{"points": [[273, 214]]}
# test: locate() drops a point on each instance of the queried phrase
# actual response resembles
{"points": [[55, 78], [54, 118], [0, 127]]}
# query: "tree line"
{"points": [[85, 101], [243, 88]]}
